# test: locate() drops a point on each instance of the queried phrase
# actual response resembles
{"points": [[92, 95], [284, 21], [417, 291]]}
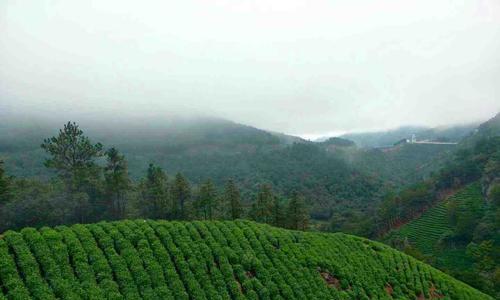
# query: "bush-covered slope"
{"points": [[425, 232], [210, 260]]}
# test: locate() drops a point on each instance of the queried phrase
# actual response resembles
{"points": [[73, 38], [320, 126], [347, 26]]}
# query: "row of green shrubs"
{"points": [[210, 260]]}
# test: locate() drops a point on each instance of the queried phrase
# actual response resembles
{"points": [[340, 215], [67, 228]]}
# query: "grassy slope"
{"points": [[425, 232], [211, 260]]}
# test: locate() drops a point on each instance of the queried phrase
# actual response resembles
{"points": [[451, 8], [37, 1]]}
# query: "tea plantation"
{"points": [[425, 232], [210, 260]]}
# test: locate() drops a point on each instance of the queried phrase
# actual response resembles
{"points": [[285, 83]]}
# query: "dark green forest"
{"points": [[91, 182]]}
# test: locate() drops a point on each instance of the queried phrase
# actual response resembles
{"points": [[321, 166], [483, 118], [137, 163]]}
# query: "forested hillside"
{"points": [[158, 140], [210, 260], [459, 235], [437, 222], [451, 219], [207, 149], [404, 164]]}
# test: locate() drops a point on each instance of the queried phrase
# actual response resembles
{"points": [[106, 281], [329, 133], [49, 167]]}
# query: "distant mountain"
{"points": [[142, 141], [488, 129], [339, 142], [388, 138], [382, 138], [491, 127]]}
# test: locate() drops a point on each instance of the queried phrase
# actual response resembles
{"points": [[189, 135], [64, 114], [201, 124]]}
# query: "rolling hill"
{"points": [[210, 260]]}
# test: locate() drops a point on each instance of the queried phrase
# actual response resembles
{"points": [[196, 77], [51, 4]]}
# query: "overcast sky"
{"points": [[300, 67]]}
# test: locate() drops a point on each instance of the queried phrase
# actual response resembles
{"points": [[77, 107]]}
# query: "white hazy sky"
{"points": [[300, 67]]}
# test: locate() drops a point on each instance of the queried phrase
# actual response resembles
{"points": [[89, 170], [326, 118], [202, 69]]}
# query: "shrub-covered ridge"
{"points": [[210, 260]]}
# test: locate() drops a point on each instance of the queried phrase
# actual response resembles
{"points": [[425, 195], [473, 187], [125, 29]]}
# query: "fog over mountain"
{"points": [[299, 67]]}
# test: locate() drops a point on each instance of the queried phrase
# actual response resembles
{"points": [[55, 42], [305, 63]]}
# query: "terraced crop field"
{"points": [[210, 260], [425, 231]]}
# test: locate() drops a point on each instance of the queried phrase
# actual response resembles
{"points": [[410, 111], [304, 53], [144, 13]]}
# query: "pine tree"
{"points": [[73, 156], [206, 204], [154, 192], [278, 213], [297, 214], [71, 152], [117, 183], [180, 194], [262, 208], [232, 201]]}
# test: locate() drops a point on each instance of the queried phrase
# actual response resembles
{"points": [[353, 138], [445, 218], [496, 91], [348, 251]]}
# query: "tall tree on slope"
{"points": [[297, 214], [117, 183], [180, 196], [207, 201], [74, 156], [154, 193], [263, 206], [232, 201]]}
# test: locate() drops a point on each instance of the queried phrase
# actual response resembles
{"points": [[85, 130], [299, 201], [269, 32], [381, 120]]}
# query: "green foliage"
{"points": [[210, 260], [495, 195], [395, 209], [297, 213], [458, 235], [207, 203], [483, 255], [232, 201], [71, 152], [340, 142], [35, 203], [278, 213], [117, 183], [73, 156], [154, 193], [180, 195], [262, 208], [425, 232], [405, 164]]}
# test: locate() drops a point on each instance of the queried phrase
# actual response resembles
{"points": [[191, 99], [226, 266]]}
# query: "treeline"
{"points": [[90, 183]]}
